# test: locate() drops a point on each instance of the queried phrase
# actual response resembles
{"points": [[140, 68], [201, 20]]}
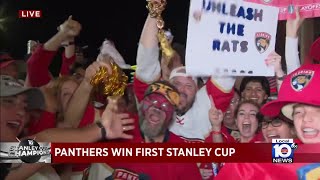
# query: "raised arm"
{"points": [[148, 66], [68, 57], [216, 118], [38, 73], [221, 90], [80, 99], [291, 50], [114, 124]]}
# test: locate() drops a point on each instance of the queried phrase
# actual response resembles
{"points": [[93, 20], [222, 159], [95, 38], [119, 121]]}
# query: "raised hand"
{"points": [[215, 116], [292, 25], [116, 124], [70, 27], [274, 59]]}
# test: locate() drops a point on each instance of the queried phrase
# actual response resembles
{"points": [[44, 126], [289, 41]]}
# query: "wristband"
{"points": [[103, 131]]}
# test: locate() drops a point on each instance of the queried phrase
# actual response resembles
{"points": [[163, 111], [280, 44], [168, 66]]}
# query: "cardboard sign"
{"points": [[308, 8], [230, 38]]}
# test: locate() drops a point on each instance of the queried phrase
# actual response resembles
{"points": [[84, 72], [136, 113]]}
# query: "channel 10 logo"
{"points": [[282, 150]]}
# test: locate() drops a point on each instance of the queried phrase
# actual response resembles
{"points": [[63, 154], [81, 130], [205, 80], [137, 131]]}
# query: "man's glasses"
{"points": [[274, 123]]}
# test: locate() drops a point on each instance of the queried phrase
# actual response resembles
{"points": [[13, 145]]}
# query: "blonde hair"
{"points": [[57, 85]]}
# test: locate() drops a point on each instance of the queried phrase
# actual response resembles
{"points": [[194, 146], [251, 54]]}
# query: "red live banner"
{"points": [[167, 152], [30, 13]]}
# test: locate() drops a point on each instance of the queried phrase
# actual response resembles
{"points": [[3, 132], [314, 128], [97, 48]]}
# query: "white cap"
{"points": [[181, 72]]}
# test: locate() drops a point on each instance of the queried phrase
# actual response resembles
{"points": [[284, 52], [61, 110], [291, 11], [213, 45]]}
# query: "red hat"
{"points": [[301, 86], [315, 50], [5, 60]]}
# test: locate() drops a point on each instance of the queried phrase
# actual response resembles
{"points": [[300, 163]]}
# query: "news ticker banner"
{"points": [[280, 151]]}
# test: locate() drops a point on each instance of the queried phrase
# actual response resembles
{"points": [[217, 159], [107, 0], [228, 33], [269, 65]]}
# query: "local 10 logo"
{"points": [[282, 150]]}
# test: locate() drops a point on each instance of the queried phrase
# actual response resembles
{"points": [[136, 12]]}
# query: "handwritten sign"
{"points": [[308, 8], [231, 38]]}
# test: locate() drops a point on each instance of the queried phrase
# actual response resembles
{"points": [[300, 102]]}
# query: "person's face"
{"points": [[246, 120], [187, 89], [276, 129], [67, 90], [228, 118], [307, 123], [254, 92], [10, 70], [13, 116], [157, 114]]}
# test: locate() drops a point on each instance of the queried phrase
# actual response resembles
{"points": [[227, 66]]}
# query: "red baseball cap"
{"points": [[5, 60], [301, 86], [315, 50]]}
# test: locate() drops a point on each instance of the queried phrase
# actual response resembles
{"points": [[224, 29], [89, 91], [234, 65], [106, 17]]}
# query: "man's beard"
{"points": [[182, 110], [152, 131]]}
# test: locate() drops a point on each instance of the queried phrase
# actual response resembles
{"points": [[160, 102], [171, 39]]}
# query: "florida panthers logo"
{"points": [[301, 79], [309, 172], [262, 41]]}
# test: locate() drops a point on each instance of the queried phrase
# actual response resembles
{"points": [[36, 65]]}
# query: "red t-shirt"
{"points": [[88, 116], [47, 120], [66, 63]]}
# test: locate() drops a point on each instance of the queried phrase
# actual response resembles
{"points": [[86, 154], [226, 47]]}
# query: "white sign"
{"points": [[230, 37]]}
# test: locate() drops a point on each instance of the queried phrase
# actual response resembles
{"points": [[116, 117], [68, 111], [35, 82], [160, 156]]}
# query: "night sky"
{"points": [[121, 21]]}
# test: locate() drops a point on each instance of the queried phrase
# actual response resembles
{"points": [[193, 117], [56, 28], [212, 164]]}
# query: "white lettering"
{"points": [[224, 151], [121, 151]]}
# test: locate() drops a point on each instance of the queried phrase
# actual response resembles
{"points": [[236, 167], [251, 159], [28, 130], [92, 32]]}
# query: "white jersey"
{"points": [[195, 123]]}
